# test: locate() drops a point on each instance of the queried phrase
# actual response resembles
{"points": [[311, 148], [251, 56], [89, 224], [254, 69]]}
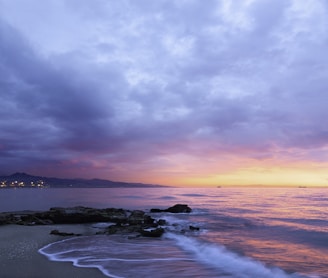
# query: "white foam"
{"points": [[226, 261], [101, 252], [75, 261]]}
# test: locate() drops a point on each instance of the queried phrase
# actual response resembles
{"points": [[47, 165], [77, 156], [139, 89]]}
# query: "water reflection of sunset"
{"points": [[283, 254]]}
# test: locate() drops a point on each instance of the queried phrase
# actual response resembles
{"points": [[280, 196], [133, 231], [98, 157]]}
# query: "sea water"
{"points": [[243, 232]]}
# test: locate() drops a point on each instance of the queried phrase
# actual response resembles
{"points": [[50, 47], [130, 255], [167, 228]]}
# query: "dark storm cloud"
{"points": [[44, 107]]}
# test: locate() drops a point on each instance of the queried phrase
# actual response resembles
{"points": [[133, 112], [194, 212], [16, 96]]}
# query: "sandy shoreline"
{"points": [[19, 257]]}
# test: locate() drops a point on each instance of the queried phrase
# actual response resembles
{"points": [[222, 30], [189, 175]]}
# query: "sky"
{"points": [[174, 92]]}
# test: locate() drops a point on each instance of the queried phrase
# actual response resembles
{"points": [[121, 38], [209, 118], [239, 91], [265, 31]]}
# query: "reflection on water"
{"points": [[287, 255]]}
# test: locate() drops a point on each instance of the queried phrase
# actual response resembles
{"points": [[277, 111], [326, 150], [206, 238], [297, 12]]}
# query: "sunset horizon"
{"points": [[264, 179]]}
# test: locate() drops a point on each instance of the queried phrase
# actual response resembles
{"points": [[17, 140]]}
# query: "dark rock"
{"points": [[178, 208], [135, 222], [161, 222], [193, 228], [45, 222], [75, 215], [3, 220], [152, 233], [148, 220], [121, 229], [137, 213], [58, 233], [155, 210], [136, 217], [31, 220], [111, 230], [84, 215]]}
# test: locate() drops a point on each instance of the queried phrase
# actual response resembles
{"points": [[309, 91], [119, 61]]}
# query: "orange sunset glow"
{"points": [[252, 174]]}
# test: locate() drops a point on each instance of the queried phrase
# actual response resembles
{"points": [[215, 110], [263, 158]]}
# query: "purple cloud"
{"points": [[114, 84]]}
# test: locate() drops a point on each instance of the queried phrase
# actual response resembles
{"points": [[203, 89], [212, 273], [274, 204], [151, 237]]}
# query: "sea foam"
{"points": [[225, 261], [118, 258], [122, 257]]}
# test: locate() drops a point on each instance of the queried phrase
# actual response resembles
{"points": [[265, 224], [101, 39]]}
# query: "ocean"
{"points": [[243, 232]]}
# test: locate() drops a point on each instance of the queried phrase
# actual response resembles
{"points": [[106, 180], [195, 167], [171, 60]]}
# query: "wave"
{"points": [[132, 197], [226, 261], [121, 257], [174, 255], [195, 195], [167, 198]]}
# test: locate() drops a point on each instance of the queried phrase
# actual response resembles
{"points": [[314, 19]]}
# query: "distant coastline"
{"points": [[23, 180]]}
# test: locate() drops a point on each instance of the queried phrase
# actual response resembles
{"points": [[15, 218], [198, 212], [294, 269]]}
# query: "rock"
{"points": [[152, 232], [161, 222], [148, 220], [155, 210], [121, 229], [45, 222], [178, 208], [110, 230], [31, 220], [120, 221], [4, 219], [193, 228], [58, 233], [137, 213], [136, 217], [81, 215], [74, 215]]}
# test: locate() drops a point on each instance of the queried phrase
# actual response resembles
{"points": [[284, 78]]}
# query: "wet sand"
{"points": [[19, 256]]}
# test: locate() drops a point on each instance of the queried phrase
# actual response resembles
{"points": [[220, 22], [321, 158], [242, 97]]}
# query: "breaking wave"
{"points": [[174, 255], [226, 261]]}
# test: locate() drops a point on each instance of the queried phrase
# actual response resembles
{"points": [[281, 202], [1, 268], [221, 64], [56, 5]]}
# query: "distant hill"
{"points": [[26, 180]]}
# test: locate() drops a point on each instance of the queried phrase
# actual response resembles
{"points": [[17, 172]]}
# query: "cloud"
{"points": [[118, 83]]}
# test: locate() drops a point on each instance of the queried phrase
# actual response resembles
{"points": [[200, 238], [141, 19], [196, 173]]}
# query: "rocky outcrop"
{"points": [[74, 215], [136, 223], [80, 215], [58, 233], [121, 221], [178, 208]]}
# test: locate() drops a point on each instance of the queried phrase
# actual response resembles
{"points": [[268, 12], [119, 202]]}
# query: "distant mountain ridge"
{"points": [[26, 180]]}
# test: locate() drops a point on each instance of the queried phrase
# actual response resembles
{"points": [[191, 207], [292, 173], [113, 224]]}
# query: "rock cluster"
{"points": [[119, 220], [75, 215]]}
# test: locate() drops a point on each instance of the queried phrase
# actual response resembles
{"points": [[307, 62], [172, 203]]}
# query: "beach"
{"points": [[19, 256], [278, 232]]}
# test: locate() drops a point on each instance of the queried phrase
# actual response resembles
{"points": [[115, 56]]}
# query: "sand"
{"points": [[19, 256]]}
